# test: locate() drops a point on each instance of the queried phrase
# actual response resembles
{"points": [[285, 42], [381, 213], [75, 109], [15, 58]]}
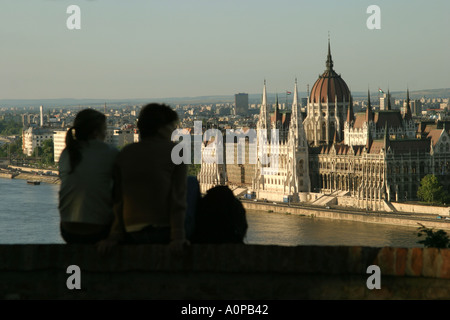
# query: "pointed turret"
{"points": [[350, 113], [408, 113], [264, 96], [335, 138], [276, 114], [263, 114], [329, 63], [296, 114], [369, 111], [295, 98], [389, 101]]}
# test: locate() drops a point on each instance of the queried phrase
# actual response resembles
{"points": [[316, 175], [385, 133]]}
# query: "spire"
{"points": [[295, 98], [263, 114], [264, 97], [408, 113], [389, 101], [329, 63], [276, 105], [350, 114], [276, 114], [296, 124], [369, 113], [335, 137]]}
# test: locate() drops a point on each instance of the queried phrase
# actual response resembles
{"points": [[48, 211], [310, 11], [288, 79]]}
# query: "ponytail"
{"points": [[73, 148], [87, 124]]}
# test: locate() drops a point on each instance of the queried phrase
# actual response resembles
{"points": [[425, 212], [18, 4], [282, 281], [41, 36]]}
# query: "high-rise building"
{"points": [[241, 103], [41, 114]]}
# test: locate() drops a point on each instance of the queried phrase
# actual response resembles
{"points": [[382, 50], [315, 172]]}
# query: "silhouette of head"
{"points": [[88, 124], [154, 118], [221, 218]]}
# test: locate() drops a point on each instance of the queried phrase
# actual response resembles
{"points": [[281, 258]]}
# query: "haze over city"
{"points": [[158, 49]]}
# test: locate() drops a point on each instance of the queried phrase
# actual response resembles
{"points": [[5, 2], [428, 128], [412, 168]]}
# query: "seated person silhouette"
{"points": [[86, 170], [150, 193]]}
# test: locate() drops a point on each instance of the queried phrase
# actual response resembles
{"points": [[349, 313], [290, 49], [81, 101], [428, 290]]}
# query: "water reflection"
{"points": [[291, 230]]}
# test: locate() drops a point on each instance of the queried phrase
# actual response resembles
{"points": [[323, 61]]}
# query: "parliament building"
{"points": [[328, 150]]}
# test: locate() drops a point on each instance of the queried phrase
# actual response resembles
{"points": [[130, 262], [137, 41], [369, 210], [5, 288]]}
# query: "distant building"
{"points": [[415, 105], [368, 158], [34, 137], [117, 137], [59, 143], [385, 102], [241, 104]]}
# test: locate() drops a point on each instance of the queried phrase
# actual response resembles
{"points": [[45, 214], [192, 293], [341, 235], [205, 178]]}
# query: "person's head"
{"points": [[89, 124], [157, 119], [221, 218]]}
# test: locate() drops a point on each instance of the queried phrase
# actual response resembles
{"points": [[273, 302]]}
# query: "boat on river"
{"points": [[34, 182]]}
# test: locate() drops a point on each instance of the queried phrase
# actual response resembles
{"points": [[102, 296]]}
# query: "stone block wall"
{"points": [[216, 272]]}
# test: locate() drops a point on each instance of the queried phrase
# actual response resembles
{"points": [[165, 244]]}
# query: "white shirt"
{"points": [[86, 195]]}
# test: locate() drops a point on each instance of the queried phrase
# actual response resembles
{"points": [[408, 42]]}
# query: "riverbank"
{"points": [[37, 177], [378, 217]]}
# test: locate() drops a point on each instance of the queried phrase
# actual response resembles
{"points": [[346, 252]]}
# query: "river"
{"points": [[29, 215]]}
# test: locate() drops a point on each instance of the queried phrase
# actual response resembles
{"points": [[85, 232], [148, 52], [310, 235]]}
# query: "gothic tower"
{"points": [[327, 106]]}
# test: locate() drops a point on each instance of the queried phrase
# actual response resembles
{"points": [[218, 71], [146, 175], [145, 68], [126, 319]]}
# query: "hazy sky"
{"points": [[178, 48]]}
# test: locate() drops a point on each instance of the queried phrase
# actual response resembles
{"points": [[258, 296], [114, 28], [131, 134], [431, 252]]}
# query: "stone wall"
{"points": [[404, 207], [215, 272]]}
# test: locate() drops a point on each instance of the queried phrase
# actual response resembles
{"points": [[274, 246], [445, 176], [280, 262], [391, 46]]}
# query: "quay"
{"points": [[26, 173], [412, 219]]}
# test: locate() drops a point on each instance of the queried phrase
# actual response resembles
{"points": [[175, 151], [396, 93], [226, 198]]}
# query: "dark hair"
{"points": [[86, 124], [220, 218], [154, 116]]}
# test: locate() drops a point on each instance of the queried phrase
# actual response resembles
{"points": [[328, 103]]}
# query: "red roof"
{"points": [[393, 118], [434, 135], [329, 86]]}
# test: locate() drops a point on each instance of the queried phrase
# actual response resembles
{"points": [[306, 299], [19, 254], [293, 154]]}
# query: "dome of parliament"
{"points": [[330, 86]]}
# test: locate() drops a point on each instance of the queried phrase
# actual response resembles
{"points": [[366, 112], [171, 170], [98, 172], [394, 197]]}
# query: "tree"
{"points": [[45, 152], [193, 169], [10, 127], [434, 239], [431, 190]]}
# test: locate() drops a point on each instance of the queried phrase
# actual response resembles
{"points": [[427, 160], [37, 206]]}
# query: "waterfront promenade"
{"points": [[412, 219]]}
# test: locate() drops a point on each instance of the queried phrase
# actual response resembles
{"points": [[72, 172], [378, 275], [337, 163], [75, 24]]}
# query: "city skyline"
{"points": [[197, 48]]}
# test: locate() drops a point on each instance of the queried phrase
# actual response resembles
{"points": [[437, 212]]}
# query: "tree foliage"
{"points": [[433, 239], [15, 149], [45, 152], [10, 127], [193, 169], [431, 190]]}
